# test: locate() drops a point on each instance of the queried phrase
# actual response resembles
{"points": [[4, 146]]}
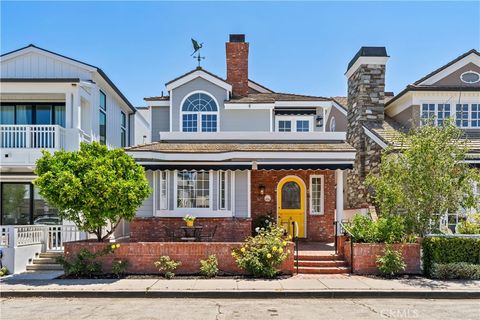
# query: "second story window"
{"points": [[123, 130], [294, 124], [199, 113], [103, 118]]}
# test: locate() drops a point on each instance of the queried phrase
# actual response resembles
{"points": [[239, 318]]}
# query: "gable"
{"points": [[34, 64], [453, 79]]}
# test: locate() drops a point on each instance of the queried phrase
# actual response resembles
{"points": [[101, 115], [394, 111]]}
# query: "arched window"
{"points": [[199, 113], [291, 195]]}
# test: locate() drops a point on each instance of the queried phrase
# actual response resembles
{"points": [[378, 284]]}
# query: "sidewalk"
{"points": [[331, 286]]}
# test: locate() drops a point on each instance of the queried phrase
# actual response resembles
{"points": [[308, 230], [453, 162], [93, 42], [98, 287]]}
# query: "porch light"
{"points": [[319, 121], [261, 189]]}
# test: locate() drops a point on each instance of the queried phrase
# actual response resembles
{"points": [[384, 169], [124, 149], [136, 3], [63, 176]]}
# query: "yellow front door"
{"points": [[291, 205]]}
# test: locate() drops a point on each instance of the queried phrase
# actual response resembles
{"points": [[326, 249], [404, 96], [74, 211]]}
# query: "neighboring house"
{"points": [[229, 151], [52, 102], [375, 117]]}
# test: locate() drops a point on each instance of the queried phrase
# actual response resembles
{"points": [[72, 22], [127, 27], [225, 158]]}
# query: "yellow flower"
{"points": [[284, 243], [118, 245], [274, 248], [269, 255], [289, 237], [280, 250], [288, 251], [112, 246], [243, 249], [233, 254]]}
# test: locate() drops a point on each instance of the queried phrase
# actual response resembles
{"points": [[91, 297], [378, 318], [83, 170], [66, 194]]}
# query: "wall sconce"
{"points": [[319, 121], [261, 189]]}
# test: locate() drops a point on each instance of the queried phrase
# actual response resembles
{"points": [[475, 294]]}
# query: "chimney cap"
{"points": [[368, 52], [237, 38]]}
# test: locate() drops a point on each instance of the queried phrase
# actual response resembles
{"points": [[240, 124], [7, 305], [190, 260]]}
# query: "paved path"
{"points": [[219, 309]]}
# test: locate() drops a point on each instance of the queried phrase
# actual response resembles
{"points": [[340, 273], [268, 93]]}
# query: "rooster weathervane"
{"points": [[196, 47]]}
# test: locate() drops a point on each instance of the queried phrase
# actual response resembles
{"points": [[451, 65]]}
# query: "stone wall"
{"points": [[153, 229], [319, 227], [365, 256], [366, 98], [142, 255]]}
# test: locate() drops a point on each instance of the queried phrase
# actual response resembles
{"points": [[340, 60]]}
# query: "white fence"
{"points": [[51, 237], [32, 136]]}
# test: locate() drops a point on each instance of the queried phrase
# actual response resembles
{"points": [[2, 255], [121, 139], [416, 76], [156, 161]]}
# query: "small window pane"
{"points": [[291, 195], [59, 115], [24, 114], [284, 126], [7, 115], [43, 114], [43, 213], [103, 127], [189, 123], [163, 190], [222, 194], [193, 189], [103, 101], [209, 123], [303, 126]]}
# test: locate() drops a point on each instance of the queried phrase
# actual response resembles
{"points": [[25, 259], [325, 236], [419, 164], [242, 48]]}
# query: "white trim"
{"points": [[199, 74], [249, 193], [163, 103], [470, 71], [258, 88], [271, 120], [198, 213], [170, 124], [293, 121], [376, 139], [248, 106], [154, 196], [233, 192], [302, 104], [339, 107], [471, 58], [198, 113], [365, 60], [304, 204], [254, 136], [322, 195], [219, 174]]}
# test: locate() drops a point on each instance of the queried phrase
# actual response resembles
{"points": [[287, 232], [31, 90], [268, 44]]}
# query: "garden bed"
{"points": [[365, 256], [142, 255]]}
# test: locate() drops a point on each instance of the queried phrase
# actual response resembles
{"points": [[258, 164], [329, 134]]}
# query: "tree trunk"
{"points": [[99, 235]]}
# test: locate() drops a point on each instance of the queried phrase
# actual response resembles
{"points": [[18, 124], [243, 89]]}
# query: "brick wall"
{"points": [[153, 229], [142, 255], [365, 256], [319, 227]]}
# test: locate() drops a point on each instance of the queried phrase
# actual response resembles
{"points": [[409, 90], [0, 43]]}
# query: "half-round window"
{"points": [[470, 77], [199, 113], [291, 195]]}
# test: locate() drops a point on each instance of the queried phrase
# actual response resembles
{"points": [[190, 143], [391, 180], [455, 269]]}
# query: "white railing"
{"points": [[51, 237], [32, 136]]}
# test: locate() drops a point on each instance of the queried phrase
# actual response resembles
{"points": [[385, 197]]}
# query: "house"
{"points": [[52, 102], [451, 91], [231, 151]]}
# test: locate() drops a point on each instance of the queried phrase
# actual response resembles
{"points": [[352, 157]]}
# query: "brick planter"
{"points": [[142, 255], [153, 229], [365, 256]]}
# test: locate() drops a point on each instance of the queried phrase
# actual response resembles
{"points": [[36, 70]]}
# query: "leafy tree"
{"points": [[427, 178], [94, 187]]}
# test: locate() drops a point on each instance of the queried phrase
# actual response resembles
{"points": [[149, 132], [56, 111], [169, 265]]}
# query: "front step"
{"points": [[44, 267], [321, 263], [50, 254], [45, 261], [318, 257], [324, 270]]}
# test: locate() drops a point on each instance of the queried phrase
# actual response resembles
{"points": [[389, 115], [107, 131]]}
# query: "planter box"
{"points": [[142, 255], [365, 256]]}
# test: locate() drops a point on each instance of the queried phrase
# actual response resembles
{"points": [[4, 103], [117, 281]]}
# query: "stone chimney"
{"points": [[237, 64], [366, 100]]}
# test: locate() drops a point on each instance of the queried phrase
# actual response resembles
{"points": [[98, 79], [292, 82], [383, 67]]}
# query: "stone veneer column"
{"points": [[366, 98]]}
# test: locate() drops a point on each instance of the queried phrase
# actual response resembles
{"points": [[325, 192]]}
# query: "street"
{"points": [[204, 309]]}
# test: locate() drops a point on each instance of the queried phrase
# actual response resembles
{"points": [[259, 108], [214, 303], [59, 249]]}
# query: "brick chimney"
{"points": [[366, 102], [237, 64]]}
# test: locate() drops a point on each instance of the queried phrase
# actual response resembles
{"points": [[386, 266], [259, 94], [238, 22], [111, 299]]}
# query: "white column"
{"points": [[324, 119], [77, 108], [68, 110], [339, 208]]}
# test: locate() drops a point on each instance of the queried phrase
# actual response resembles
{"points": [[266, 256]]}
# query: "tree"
{"points": [[427, 178], [94, 187]]}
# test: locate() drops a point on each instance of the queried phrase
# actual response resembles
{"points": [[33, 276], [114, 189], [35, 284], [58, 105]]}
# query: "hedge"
{"points": [[457, 270], [444, 250]]}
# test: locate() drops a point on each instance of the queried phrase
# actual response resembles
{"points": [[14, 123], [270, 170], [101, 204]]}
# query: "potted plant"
{"points": [[189, 220]]}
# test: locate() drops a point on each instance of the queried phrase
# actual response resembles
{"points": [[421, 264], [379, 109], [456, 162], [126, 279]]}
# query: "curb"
{"points": [[325, 294]]}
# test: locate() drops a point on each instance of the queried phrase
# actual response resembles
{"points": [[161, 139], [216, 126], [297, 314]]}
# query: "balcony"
{"points": [[21, 145]]}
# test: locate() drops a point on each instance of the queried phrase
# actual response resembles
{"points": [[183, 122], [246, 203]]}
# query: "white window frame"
{"points": [[163, 179], [453, 111], [189, 210], [219, 184], [470, 71], [293, 120], [322, 194], [199, 114]]}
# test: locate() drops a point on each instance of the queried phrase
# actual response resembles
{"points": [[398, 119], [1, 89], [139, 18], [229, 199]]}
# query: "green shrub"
{"points": [[389, 229], [456, 270], [209, 267], [167, 266], [119, 267], [84, 264], [262, 222], [469, 226], [449, 250], [3, 271], [261, 255], [391, 263]]}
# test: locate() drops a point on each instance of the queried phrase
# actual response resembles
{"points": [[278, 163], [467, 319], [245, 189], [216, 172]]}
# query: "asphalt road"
{"points": [[205, 309]]}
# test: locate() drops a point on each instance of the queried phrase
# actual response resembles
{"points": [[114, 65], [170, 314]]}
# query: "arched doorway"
{"points": [[291, 205]]}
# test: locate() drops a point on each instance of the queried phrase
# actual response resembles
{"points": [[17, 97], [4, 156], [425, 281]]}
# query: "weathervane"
{"points": [[196, 47]]}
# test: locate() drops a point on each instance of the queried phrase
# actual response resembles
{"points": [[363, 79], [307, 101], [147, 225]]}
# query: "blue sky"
{"points": [[301, 47]]}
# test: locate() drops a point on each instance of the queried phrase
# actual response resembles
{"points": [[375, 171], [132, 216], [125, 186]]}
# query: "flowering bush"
{"points": [[262, 254], [119, 267], [263, 221], [470, 226], [167, 265], [209, 267]]}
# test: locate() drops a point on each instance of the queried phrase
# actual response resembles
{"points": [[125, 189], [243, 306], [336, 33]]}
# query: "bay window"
{"points": [[193, 189]]}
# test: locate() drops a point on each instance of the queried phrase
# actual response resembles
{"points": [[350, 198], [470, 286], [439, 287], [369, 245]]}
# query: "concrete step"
{"points": [[43, 267], [321, 263], [324, 270], [318, 257], [45, 261], [50, 254]]}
